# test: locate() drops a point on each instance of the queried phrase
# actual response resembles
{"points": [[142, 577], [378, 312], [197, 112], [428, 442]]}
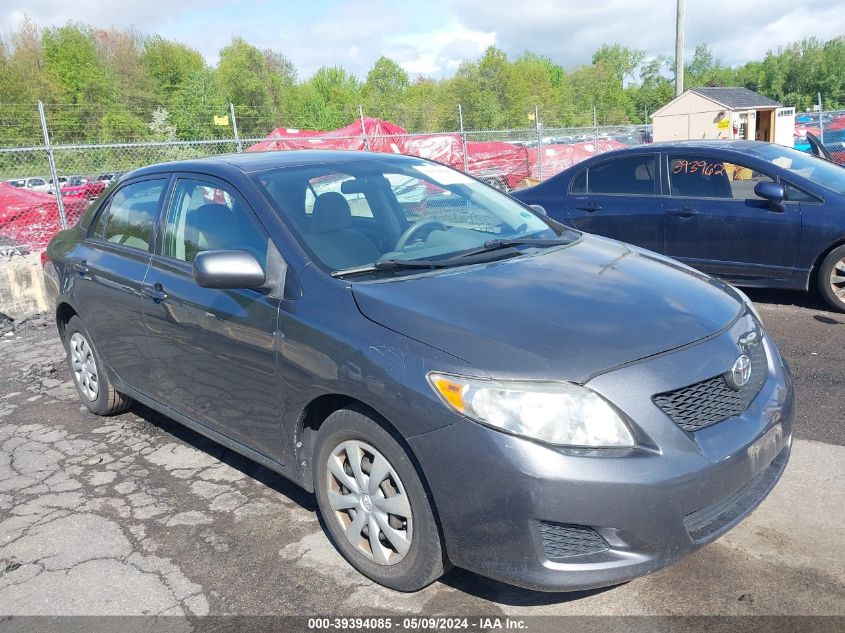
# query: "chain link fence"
{"points": [[828, 127], [49, 181]]}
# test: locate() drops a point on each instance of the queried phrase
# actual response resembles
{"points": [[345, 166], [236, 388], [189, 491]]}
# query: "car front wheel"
{"points": [[832, 278], [373, 503]]}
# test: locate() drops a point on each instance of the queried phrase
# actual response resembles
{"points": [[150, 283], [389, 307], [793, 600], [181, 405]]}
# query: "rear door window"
{"points": [[130, 214], [630, 175]]}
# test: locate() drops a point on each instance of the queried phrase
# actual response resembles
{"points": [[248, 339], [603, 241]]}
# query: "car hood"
{"points": [[561, 314]]}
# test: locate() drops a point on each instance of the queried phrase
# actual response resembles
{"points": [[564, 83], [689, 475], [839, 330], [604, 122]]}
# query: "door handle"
{"points": [[81, 267], [154, 292], [683, 212], [589, 207]]}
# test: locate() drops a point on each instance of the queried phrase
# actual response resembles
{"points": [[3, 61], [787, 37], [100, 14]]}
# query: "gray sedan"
{"points": [[459, 379]]}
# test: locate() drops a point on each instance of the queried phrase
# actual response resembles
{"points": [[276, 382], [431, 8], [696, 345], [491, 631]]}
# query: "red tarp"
{"points": [[351, 137], [557, 157], [31, 218], [486, 160]]}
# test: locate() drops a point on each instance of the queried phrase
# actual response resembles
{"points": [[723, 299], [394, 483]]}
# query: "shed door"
{"points": [[784, 126]]}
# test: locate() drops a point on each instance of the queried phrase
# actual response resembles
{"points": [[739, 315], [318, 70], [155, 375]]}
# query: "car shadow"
{"points": [[798, 298], [464, 581], [248, 467], [503, 593]]}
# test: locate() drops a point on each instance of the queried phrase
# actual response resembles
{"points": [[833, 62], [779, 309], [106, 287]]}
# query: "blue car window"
{"points": [[578, 186], [631, 175], [703, 177]]}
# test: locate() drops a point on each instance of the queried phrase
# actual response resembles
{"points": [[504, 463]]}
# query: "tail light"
{"points": [[44, 258]]}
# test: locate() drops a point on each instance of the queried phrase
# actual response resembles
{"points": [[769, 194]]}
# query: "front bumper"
{"points": [[497, 494]]}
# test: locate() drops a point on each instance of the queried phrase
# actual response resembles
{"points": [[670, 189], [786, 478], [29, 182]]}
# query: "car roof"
{"points": [[735, 146], [250, 162]]}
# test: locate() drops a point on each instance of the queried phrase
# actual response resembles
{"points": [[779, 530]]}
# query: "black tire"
{"points": [[108, 400], [425, 560], [828, 269]]}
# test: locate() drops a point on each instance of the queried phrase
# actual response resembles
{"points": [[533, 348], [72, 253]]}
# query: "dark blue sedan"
{"points": [[752, 213]]}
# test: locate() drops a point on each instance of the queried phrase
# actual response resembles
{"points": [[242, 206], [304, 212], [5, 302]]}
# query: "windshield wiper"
{"points": [[473, 257], [494, 245], [393, 264]]}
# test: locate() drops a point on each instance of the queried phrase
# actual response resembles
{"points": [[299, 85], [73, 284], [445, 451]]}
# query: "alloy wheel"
{"points": [[837, 279], [369, 502], [84, 366]]}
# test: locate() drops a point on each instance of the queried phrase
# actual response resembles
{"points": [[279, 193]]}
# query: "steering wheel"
{"points": [[415, 228]]}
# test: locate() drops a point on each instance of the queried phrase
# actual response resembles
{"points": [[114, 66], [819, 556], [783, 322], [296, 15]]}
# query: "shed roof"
{"points": [[736, 98]]}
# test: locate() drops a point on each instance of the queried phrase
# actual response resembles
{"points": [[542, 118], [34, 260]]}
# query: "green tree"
{"points": [[384, 90], [621, 60], [329, 99]]}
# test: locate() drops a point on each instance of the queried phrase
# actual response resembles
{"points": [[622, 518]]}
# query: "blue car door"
{"points": [[619, 197], [716, 223]]}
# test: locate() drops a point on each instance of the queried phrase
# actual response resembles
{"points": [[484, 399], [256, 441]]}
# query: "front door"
{"points": [[716, 223], [619, 198], [212, 351]]}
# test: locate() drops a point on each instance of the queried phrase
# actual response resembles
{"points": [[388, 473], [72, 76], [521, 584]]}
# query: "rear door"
{"points": [[715, 221], [108, 270], [212, 352], [620, 198]]}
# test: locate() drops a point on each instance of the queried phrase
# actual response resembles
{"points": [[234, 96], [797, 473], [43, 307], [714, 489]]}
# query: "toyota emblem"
{"points": [[740, 373]]}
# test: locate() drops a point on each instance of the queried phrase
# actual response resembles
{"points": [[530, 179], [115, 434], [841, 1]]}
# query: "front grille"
{"points": [[710, 401], [564, 541], [708, 521]]}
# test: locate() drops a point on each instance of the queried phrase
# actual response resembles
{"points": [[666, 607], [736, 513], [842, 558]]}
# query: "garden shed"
{"points": [[724, 113]]}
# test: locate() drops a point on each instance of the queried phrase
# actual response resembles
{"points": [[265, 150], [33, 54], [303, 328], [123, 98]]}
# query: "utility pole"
{"points": [[679, 50]]}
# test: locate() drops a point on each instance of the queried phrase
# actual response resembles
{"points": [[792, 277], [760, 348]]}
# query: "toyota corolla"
{"points": [[459, 379]]}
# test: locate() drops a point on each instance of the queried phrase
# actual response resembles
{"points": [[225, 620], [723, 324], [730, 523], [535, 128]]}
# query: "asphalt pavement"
{"points": [[135, 514]]}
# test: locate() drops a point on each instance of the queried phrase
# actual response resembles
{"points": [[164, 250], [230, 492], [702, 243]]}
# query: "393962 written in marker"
{"points": [[697, 167]]}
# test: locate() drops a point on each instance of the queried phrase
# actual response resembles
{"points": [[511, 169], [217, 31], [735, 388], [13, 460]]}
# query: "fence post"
{"points": [[363, 129], [539, 143], [235, 128], [595, 130], [53, 171], [463, 137], [821, 119]]}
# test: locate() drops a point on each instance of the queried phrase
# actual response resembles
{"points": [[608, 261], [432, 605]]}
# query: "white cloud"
{"points": [[569, 32], [432, 37]]}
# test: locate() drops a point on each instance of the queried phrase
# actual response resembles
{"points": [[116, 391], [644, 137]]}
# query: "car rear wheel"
{"points": [[92, 383], [832, 278], [373, 503]]}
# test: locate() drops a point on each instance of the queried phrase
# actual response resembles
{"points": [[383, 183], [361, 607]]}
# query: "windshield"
{"points": [[808, 166], [351, 214]]}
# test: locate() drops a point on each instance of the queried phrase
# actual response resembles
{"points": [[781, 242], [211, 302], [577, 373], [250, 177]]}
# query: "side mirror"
{"points": [[228, 270], [538, 208], [771, 191]]}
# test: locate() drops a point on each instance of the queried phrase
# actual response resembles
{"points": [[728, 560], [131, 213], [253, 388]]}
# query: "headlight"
{"points": [[557, 413], [749, 304]]}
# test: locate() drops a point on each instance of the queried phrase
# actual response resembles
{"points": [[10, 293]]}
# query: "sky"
{"points": [[432, 37]]}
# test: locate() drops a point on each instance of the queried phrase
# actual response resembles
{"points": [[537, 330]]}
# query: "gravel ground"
{"points": [[135, 514]]}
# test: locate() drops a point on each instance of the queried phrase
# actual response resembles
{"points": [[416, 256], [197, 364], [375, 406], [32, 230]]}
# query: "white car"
{"points": [[34, 183]]}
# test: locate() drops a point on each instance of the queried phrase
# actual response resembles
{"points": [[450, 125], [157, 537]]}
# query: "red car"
{"points": [[83, 187]]}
